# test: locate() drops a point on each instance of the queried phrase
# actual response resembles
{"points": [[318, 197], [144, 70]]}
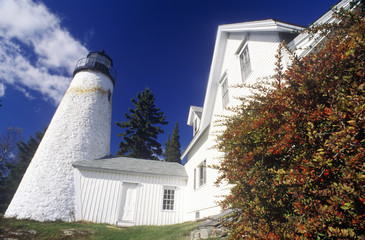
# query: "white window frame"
{"points": [[196, 125], [194, 178], [169, 198], [200, 175], [244, 58], [224, 86], [203, 173]]}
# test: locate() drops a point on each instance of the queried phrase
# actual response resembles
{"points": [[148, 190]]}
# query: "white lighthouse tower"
{"points": [[79, 130]]}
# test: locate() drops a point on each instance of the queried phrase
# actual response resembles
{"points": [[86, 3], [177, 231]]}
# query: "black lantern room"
{"points": [[98, 61]]}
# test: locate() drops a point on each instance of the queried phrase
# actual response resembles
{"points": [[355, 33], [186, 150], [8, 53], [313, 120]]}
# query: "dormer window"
{"points": [[196, 125], [244, 57], [195, 114]]}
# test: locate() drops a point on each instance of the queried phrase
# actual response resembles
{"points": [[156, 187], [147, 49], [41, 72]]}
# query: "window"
{"points": [[200, 175], [168, 199], [225, 97], [224, 86], [196, 126], [195, 114], [245, 63], [244, 57], [194, 178]]}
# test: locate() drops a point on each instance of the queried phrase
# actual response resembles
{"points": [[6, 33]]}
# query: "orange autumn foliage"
{"points": [[297, 168]]}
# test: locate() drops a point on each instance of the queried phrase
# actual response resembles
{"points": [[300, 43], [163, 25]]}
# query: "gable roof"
{"points": [[133, 166], [269, 25], [194, 111], [304, 43]]}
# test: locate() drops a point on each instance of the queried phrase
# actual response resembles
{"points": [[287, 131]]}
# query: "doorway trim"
{"points": [[128, 204]]}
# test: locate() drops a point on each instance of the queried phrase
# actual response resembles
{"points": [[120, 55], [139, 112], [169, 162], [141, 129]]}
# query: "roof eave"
{"points": [[327, 17], [123, 171], [193, 141], [260, 26], [221, 40], [192, 113]]}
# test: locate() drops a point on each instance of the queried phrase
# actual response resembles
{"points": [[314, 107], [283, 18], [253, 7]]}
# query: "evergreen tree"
{"points": [[172, 146], [26, 151], [142, 128], [8, 143], [8, 150]]}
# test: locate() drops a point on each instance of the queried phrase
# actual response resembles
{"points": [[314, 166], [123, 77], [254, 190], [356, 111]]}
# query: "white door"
{"points": [[129, 199]]}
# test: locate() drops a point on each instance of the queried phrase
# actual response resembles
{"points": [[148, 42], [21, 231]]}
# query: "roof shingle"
{"points": [[133, 165]]}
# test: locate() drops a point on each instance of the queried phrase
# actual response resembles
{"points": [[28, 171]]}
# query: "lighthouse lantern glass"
{"points": [[98, 58]]}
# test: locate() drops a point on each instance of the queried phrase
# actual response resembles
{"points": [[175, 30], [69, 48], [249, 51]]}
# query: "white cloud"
{"points": [[2, 89], [25, 92], [36, 53]]}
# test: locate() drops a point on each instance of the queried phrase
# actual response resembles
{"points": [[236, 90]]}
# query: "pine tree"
{"points": [[8, 151], [26, 151], [142, 128], [172, 146], [8, 143]]}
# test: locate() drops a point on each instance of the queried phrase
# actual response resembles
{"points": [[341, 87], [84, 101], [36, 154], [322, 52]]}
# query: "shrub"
{"points": [[295, 153]]}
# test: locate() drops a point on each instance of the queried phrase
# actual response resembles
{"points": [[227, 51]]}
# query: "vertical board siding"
{"points": [[78, 205], [115, 200], [106, 199], [101, 200], [155, 200], [92, 198], [86, 202]]}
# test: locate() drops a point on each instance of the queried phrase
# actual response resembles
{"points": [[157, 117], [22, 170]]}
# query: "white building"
{"points": [[128, 192], [243, 53]]}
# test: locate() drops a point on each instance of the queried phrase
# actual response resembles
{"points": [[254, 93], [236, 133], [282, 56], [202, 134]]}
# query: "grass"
{"points": [[10, 228]]}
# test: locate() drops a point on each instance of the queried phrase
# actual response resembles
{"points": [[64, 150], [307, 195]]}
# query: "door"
{"points": [[129, 201]]}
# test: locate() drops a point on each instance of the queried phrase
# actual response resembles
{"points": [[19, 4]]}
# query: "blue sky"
{"points": [[166, 45]]}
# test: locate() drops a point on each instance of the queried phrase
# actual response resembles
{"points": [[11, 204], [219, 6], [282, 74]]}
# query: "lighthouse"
{"points": [[80, 129]]}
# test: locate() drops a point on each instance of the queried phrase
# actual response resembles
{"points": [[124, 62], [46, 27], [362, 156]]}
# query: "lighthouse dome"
{"points": [[98, 61]]}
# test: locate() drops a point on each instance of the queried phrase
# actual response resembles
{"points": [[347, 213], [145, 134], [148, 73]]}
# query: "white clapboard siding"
{"points": [[100, 198], [262, 49]]}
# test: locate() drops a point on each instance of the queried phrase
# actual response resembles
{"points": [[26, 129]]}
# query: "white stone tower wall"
{"points": [[80, 129]]}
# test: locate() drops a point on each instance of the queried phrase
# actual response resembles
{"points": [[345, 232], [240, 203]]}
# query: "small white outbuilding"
{"points": [[129, 192]]}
